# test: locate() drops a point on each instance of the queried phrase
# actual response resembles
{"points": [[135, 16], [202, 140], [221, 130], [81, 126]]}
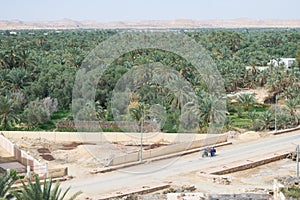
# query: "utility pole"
{"points": [[276, 99], [297, 161], [142, 127]]}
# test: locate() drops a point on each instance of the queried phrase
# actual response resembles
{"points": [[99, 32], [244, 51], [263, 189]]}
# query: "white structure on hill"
{"points": [[285, 62]]}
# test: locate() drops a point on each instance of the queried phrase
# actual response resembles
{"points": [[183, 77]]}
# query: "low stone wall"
{"points": [[136, 191], [284, 130], [249, 164], [148, 126], [243, 196]]}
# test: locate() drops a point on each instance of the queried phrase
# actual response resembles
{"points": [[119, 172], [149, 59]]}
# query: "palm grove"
{"points": [[38, 70]]}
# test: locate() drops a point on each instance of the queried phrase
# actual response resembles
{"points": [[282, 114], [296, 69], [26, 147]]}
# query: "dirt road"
{"points": [[181, 170]]}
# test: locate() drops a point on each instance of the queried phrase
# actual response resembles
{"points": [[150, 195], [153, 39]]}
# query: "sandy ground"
{"points": [[260, 94], [79, 158], [82, 159]]}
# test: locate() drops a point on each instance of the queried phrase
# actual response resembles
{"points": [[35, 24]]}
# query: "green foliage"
{"points": [[7, 114], [246, 100], [43, 63], [6, 181], [172, 122], [293, 192], [39, 111], [35, 190], [292, 104], [298, 58], [247, 119]]}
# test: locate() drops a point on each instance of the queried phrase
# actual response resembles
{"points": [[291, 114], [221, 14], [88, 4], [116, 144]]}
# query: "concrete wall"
{"points": [[22, 156], [179, 147], [7, 145], [250, 164], [133, 157], [134, 138]]}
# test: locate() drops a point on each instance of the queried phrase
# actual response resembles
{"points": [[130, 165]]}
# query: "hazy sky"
{"points": [[114, 10]]}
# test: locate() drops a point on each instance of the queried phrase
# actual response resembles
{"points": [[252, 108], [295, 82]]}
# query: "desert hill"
{"points": [[180, 23]]}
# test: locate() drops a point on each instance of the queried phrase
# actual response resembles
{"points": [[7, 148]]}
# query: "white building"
{"points": [[286, 62]]}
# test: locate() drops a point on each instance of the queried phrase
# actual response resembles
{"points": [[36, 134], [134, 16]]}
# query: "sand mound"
{"points": [[250, 135], [99, 154]]}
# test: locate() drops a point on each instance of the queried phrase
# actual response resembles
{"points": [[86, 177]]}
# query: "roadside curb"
{"points": [[284, 131], [182, 153], [244, 164], [142, 190]]}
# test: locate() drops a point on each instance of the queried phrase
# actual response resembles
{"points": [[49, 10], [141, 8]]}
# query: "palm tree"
{"points": [[180, 93], [298, 58], [3, 79], [246, 100], [24, 59], [252, 116], [205, 109], [292, 104], [163, 75], [6, 181], [265, 120], [7, 114], [189, 118], [38, 192], [18, 78], [139, 112], [10, 58], [2, 60]]}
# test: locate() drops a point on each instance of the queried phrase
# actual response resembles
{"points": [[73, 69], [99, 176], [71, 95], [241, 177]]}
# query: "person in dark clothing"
{"points": [[212, 151]]}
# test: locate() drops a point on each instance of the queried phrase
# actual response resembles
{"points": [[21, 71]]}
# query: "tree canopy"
{"points": [[39, 64]]}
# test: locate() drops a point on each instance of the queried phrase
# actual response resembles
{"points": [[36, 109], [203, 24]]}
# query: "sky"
{"points": [[117, 10]]}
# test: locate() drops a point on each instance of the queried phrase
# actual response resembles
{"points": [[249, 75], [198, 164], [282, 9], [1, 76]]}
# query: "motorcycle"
{"points": [[209, 152]]}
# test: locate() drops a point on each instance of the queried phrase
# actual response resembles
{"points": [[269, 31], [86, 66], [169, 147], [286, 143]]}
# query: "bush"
{"points": [[291, 192], [39, 111]]}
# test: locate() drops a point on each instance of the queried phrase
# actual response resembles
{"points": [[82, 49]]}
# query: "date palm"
{"points": [[18, 78], [4, 79], [35, 190], [265, 120], [246, 100], [139, 113], [180, 93], [292, 104], [6, 181], [25, 60], [3, 63], [7, 113]]}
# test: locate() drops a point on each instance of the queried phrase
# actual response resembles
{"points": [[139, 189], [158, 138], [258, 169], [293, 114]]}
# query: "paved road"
{"points": [[176, 168]]}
